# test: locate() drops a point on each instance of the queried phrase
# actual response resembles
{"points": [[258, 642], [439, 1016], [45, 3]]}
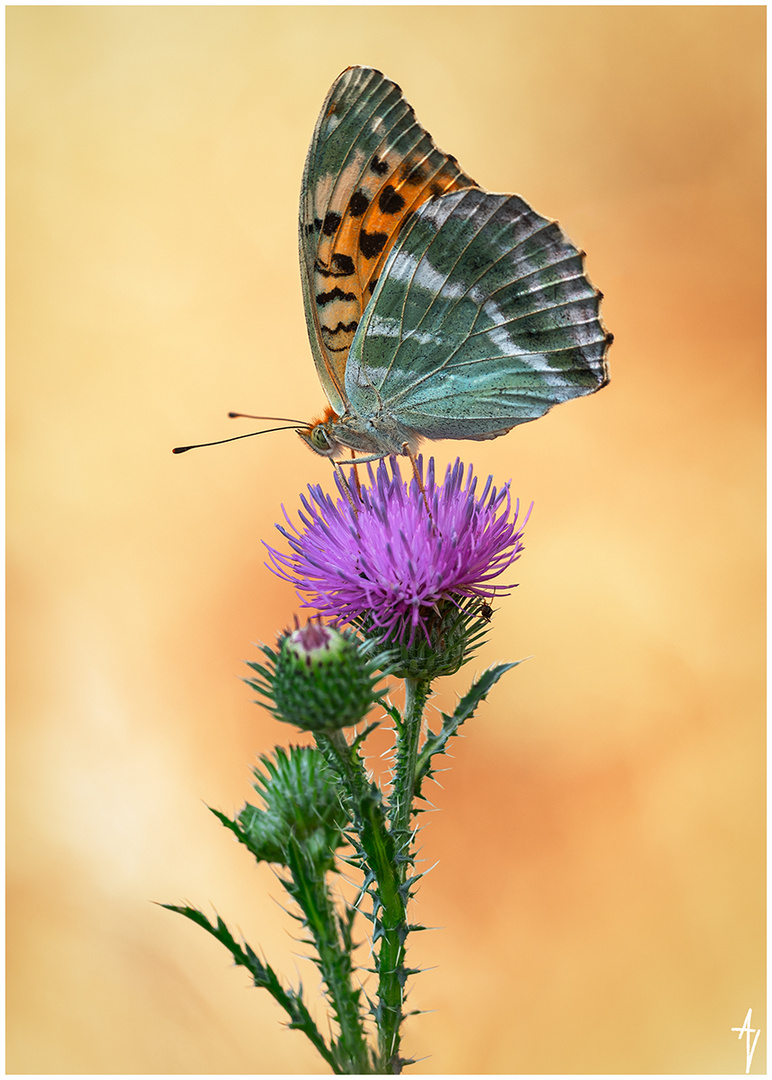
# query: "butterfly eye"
{"points": [[320, 440]]}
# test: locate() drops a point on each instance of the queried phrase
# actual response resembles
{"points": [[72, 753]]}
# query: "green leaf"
{"points": [[262, 975], [436, 743]]}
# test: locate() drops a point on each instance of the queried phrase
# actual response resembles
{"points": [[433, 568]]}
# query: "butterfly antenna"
{"points": [[233, 438], [281, 419]]}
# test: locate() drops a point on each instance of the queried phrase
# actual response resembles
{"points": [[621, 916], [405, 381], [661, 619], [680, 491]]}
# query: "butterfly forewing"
{"points": [[369, 166], [482, 319]]}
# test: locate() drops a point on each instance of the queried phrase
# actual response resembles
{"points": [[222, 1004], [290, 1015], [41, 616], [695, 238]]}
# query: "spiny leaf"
{"points": [[437, 742], [262, 975]]}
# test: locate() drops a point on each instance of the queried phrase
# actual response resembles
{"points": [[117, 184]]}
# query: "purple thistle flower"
{"points": [[379, 555]]}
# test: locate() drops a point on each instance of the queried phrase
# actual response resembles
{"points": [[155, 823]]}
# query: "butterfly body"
{"points": [[435, 309]]}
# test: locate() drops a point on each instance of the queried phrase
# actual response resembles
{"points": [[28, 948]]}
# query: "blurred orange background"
{"points": [[600, 884]]}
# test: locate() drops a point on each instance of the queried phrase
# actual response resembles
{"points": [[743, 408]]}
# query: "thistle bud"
{"points": [[301, 801], [320, 679]]}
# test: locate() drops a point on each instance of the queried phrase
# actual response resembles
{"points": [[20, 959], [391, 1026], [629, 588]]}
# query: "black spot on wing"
{"points": [[412, 174], [323, 298], [380, 168], [344, 264], [331, 223], [341, 328], [390, 201], [371, 244], [358, 203]]}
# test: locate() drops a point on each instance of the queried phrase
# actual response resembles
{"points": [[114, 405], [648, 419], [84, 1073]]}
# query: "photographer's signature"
{"points": [[747, 1031]]}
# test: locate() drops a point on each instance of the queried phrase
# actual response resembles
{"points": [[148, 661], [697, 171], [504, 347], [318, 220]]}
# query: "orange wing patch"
{"points": [[409, 183], [359, 228]]}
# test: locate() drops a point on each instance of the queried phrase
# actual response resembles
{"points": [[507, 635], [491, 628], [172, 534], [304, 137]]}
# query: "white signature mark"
{"points": [[747, 1031]]}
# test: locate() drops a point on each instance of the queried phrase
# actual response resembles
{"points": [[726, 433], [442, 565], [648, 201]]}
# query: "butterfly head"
{"points": [[319, 435]]}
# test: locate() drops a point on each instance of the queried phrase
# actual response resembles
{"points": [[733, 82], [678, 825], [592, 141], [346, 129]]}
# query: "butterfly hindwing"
{"points": [[369, 166], [482, 319]]}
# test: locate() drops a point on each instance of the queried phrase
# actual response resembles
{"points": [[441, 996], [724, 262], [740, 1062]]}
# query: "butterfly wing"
{"points": [[482, 318], [370, 164]]}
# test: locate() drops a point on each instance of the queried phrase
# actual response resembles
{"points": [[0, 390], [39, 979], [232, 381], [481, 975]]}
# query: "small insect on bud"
{"points": [[321, 679]]}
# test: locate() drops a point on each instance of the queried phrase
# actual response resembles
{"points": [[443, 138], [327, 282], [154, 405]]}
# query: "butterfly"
{"points": [[435, 309]]}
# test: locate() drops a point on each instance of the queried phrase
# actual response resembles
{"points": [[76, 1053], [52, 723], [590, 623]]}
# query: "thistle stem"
{"points": [[309, 889], [392, 968], [389, 904], [416, 694]]}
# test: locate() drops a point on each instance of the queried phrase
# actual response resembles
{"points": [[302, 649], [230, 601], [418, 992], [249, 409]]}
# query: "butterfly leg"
{"points": [[356, 476], [417, 476], [346, 488]]}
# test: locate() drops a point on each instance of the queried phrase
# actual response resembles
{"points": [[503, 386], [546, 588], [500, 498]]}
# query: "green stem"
{"points": [[389, 906], [309, 889], [393, 971], [416, 694]]}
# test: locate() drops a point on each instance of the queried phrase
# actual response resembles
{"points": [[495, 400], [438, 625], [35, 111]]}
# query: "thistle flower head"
{"points": [[391, 557]]}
